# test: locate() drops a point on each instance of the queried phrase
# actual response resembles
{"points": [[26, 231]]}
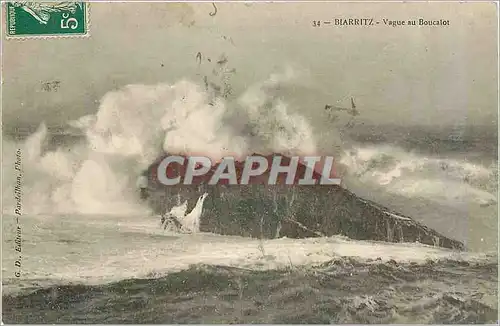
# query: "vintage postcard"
{"points": [[249, 162]]}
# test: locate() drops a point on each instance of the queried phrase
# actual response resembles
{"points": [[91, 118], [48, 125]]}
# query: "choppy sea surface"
{"points": [[91, 253], [82, 269]]}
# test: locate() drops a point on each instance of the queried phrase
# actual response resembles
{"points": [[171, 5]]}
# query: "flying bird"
{"points": [[352, 111]]}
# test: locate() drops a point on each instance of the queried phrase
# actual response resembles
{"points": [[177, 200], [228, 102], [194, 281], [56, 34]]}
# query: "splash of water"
{"points": [[191, 222], [132, 127], [413, 175]]}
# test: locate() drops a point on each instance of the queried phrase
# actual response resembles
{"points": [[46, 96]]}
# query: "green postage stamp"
{"points": [[46, 19]]}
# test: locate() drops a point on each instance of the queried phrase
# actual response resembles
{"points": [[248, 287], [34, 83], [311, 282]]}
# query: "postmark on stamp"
{"points": [[27, 19]]}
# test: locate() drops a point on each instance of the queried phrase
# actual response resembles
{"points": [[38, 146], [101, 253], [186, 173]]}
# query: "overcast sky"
{"points": [[405, 75]]}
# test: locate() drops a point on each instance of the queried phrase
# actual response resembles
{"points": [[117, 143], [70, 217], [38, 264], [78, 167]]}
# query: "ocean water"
{"points": [[92, 252], [102, 269]]}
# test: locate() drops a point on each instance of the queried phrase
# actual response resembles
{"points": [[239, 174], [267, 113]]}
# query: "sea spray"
{"points": [[136, 124], [416, 175]]}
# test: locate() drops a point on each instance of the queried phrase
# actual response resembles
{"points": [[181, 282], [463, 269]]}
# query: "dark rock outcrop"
{"points": [[270, 211]]}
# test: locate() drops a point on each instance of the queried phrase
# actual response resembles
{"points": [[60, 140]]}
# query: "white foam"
{"points": [[414, 175], [129, 131], [111, 249], [398, 216]]}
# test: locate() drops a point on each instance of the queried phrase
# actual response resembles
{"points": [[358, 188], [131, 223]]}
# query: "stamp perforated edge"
{"points": [[49, 36]]}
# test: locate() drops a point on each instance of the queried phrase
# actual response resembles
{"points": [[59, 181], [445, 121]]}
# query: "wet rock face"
{"points": [[297, 212], [270, 211]]}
